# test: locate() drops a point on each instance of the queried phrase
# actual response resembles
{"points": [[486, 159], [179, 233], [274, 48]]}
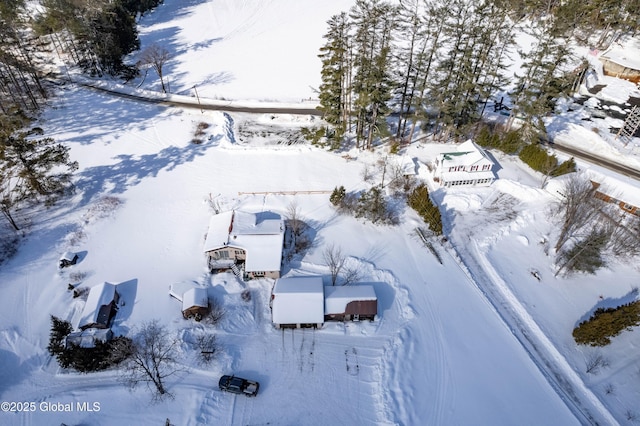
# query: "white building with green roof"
{"points": [[468, 165]]}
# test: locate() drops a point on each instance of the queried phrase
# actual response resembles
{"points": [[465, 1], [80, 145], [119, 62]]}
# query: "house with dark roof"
{"points": [[101, 307]]}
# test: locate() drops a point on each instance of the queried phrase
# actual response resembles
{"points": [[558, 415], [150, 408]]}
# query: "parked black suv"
{"points": [[238, 385]]}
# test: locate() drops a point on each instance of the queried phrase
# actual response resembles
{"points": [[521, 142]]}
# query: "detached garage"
{"points": [[298, 302], [350, 303]]}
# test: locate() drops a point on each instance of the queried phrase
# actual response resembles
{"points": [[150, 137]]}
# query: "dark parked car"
{"points": [[238, 385]]}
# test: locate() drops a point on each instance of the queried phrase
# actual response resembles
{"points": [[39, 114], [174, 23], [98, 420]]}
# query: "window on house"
{"points": [[474, 168]]}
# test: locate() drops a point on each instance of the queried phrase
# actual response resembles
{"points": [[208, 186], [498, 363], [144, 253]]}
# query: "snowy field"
{"points": [[476, 340]]}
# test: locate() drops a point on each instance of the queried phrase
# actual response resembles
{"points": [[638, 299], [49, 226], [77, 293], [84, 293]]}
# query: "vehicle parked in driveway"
{"points": [[238, 385]]}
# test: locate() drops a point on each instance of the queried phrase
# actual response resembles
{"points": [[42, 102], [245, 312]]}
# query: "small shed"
{"points": [[350, 303], [195, 303], [101, 307], [89, 337], [298, 302], [67, 259]]}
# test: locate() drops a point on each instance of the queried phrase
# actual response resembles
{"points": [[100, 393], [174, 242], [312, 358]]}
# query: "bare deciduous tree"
{"points": [[577, 208], [595, 362], [334, 259], [207, 345], [295, 222], [153, 359], [156, 56]]}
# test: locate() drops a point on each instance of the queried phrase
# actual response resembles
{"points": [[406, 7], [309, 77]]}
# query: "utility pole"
{"points": [[198, 97]]}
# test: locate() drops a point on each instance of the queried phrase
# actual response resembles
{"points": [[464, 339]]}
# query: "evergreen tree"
{"points": [[373, 22], [30, 168], [543, 79], [434, 18], [338, 195], [60, 329], [336, 71], [20, 84]]}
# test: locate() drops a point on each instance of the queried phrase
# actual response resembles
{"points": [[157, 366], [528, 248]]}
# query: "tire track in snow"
{"points": [[400, 350], [583, 403]]}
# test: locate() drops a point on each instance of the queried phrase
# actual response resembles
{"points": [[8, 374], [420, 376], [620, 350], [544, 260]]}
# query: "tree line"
{"points": [[94, 35], [387, 67]]}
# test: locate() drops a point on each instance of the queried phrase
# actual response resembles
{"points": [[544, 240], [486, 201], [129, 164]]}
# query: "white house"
{"points": [[468, 165], [298, 302], [249, 244], [101, 306]]}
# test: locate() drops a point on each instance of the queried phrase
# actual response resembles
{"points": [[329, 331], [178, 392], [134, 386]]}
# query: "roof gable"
{"points": [[96, 309]]}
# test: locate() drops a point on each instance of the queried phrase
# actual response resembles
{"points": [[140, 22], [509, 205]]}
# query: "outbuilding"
{"points": [[195, 303], [67, 259], [298, 302], [350, 303]]}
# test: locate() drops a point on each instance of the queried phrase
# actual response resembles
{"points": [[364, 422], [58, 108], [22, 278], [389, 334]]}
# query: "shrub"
{"points": [[419, 201], [606, 323], [537, 158], [207, 345], [371, 205], [586, 255], [314, 135], [568, 166], [100, 357], [508, 143], [338, 195]]}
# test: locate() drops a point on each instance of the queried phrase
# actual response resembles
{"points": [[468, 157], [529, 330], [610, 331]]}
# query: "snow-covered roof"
{"points": [[68, 255], [260, 234], [195, 296], [466, 153], [337, 298], [626, 53], [619, 187], [88, 338], [178, 289], [218, 233], [99, 295], [408, 165], [298, 300]]}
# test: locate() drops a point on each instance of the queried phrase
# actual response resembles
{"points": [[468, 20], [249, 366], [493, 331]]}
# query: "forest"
{"points": [[388, 69]]}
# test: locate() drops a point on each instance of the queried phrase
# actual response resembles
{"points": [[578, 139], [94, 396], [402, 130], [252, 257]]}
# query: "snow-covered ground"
{"points": [[475, 340]]}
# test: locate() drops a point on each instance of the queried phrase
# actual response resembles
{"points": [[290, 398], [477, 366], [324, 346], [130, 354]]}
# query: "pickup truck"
{"points": [[238, 385]]}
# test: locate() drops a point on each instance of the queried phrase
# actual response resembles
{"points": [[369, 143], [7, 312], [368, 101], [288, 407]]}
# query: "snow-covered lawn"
{"points": [[475, 340]]}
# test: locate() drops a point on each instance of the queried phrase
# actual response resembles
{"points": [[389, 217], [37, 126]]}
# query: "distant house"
{"points": [[468, 165], [629, 202], [612, 190], [89, 337], [101, 307], [298, 302], [623, 60], [67, 259], [350, 303], [195, 303], [249, 244]]}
